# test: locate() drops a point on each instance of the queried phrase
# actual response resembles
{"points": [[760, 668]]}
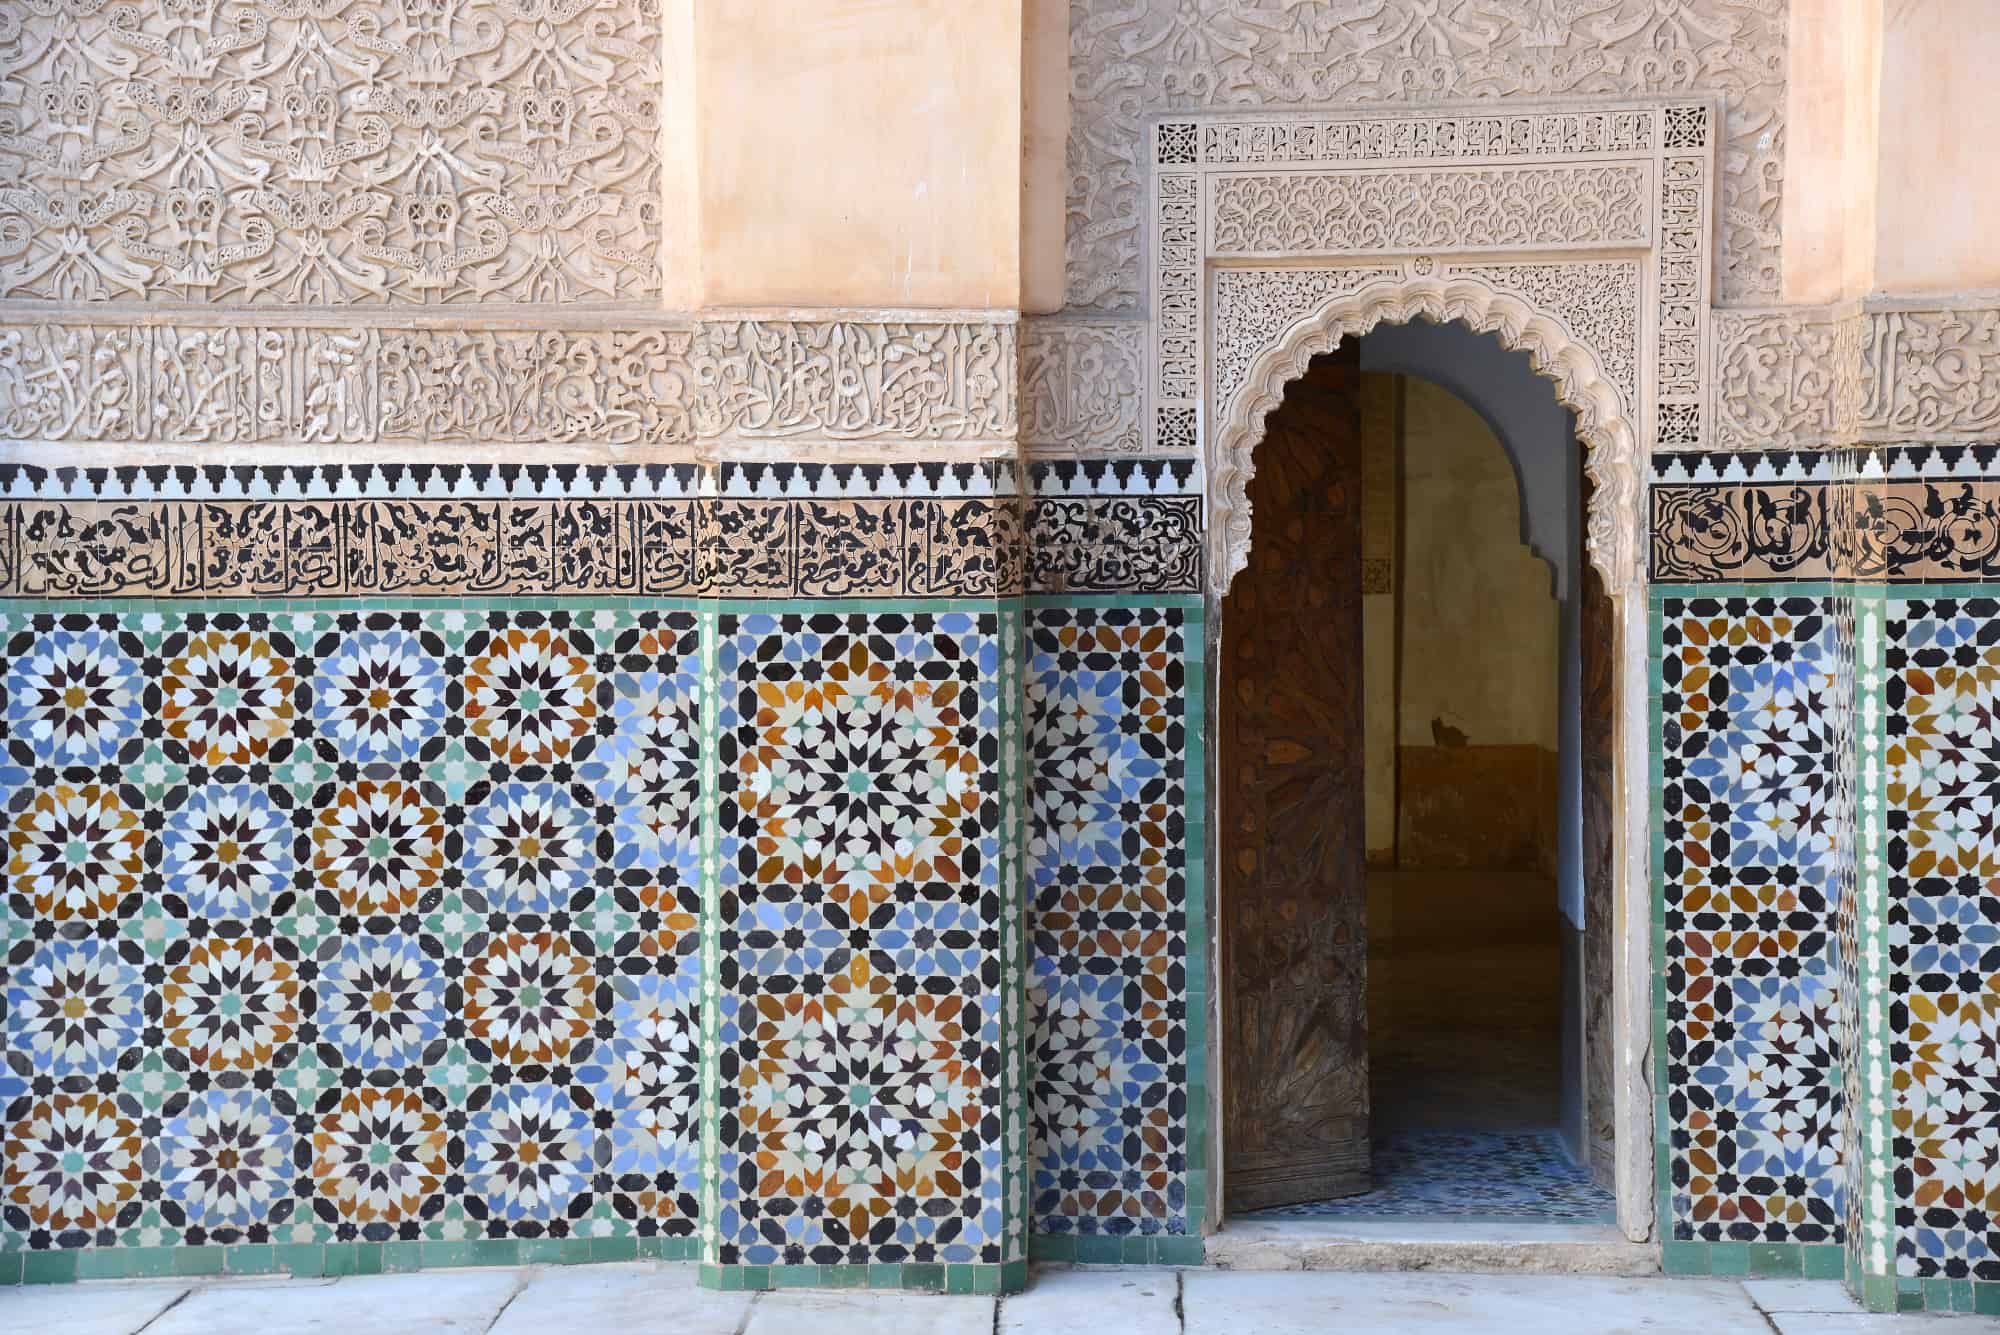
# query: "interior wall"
{"points": [[1477, 655]]}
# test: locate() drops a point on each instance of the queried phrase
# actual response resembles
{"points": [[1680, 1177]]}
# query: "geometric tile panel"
{"points": [[341, 925], [1943, 661], [1751, 812], [1108, 865], [863, 1072]]}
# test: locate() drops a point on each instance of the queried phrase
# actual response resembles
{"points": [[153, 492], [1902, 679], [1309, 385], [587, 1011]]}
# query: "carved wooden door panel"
{"points": [[1293, 895], [1597, 640]]}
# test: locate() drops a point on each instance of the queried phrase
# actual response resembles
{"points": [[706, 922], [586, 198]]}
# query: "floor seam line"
{"points": [[179, 1298], [521, 1282]]}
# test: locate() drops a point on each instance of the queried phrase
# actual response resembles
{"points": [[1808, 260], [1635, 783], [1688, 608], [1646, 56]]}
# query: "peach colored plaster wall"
{"points": [[1939, 187], [861, 152]]}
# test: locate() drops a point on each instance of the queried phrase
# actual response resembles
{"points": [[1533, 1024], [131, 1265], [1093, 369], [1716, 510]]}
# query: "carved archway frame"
{"points": [[1579, 234]]}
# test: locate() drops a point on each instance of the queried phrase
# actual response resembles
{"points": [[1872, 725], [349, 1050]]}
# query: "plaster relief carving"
{"points": [[1081, 386], [1613, 449], [1254, 306], [846, 379], [1784, 379], [1435, 209], [667, 385], [1843, 375], [1146, 57], [1598, 301], [331, 152], [1931, 374]]}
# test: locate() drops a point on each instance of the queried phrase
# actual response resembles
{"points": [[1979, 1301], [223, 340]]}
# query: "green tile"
{"points": [[928, 1277], [48, 1267], [199, 1260], [10, 1268], [303, 1260], [576, 1251], [1986, 1298], [250, 1258], [447, 1255], [1014, 1277], [652, 1249], [985, 1279], [1775, 1260], [341, 1259], [1937, 1295], [1097, 1249], [1684, 1258], [1725, 1258], [795, 1276], [884, 1276], [1909, 1301], [106, 1263], [506, 1251], [400, 1257], [1052, 1246], [1878, 1293], [756, 1277], [542, 1251], [1179, 1249], [714, 1277], [844, 1276], [367, 1258], [958, 1278], [1824, 1262], [614, 1249], [1138, 1250], [1961, 1295]]}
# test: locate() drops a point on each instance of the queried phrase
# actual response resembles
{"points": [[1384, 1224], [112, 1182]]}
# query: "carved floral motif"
{"points": [[331, 152], [1135, 60]]}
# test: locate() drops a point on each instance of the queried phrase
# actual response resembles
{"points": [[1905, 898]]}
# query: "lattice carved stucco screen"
{"points": [[1584, 236]]}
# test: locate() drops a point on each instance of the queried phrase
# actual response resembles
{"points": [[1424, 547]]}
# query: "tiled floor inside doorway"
{"points": [[1464, 1014]]}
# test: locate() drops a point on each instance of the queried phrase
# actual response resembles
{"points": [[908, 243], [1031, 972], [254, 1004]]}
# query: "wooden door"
{"points": [[1293, 894]]}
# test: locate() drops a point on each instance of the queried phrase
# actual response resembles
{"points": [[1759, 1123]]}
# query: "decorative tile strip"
{"points": [[1902, 530], [726, 546]]}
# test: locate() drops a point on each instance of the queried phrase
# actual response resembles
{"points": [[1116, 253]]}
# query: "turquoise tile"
{"points": [[48, 1267]]}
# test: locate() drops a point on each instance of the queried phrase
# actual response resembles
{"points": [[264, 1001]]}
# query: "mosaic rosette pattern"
{"points": [[1943, 683], [1750, 805], [348, 926], [861, 902], [1108, 738]]}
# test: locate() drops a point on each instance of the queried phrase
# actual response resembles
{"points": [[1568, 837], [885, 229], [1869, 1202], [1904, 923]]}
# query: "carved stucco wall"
{"points": [[1135, 59], [330, 152]]}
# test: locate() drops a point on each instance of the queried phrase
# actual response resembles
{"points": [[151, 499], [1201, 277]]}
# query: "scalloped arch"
{"points": [[1611, 446]]}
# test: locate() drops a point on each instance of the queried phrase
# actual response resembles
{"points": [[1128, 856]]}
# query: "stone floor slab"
{"points": [[84, 1309], [796, 1313], [1392, 1304], [1099, 1302], [646, 1297], [1879, 1323], [443, 1302], [1802, 1295]]}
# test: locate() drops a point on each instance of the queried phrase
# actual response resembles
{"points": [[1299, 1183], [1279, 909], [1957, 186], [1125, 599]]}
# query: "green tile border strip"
{"points": [[1016, 1027], [914, 1276], [1873, 1175], [1178, 1249], [710, 890], [324, 1260]]}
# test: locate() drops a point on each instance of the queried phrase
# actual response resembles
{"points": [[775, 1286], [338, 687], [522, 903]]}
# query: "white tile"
{"points": [[646, 1297], [1101, 1302], [434, 1303], [1311, 1303], [84, 1309], [1802, 1295], [802, 1313]]}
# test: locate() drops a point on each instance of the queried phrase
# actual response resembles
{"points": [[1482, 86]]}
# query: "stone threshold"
{"points": [[1424, 1244]]}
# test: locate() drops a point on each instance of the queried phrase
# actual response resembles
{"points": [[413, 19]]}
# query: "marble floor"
{"points": [[663, 1298]]}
